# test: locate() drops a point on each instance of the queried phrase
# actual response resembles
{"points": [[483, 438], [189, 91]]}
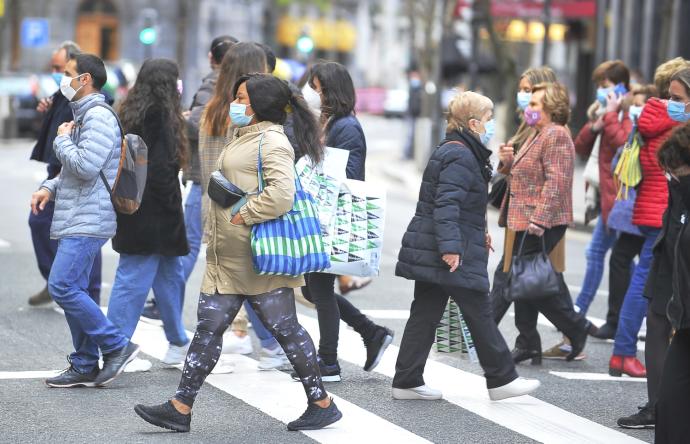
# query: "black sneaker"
{"points": [[165, 416], [644, 419], [70, 377], [329, 373], [150, 314], [376, 347], [114, 363], [316, 417]]}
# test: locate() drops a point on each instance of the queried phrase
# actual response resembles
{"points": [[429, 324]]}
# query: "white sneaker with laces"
{"points": [[175, 354], [272, 359], [138, 365], [223, 366], [423, 392], [517, 387], [234, 344]]}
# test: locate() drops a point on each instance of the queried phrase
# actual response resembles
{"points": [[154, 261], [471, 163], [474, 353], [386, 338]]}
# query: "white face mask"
{"points": [[312, 98], [66, 87]]}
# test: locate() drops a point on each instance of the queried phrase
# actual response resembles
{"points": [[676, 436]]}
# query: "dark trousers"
{"points": [[656, 347], [46, 248], [420, 331], [673, 405], [559, 310], [621, 266], [331, 307]]}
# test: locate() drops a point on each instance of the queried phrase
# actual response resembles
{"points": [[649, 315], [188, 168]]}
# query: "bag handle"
{"points": [[260, 170], [522, 244]]}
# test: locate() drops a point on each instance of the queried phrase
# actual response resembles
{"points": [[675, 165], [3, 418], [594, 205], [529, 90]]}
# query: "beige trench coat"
{"points": [[229, 267]]}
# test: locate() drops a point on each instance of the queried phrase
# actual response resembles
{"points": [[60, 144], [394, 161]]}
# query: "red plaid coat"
{"points": [[541, 181]]}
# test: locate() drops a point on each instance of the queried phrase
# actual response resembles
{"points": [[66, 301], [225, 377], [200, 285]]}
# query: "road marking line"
{"points": [[275, 394], [4, 244], [596, 321], [526, 415], [388, 314], [29, 374], [596, 377]]}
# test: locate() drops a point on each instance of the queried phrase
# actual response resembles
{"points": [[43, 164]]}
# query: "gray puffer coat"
{"points": [[82, 204]]}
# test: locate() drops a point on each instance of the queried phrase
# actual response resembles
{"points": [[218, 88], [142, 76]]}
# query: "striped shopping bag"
{"points": [[290, 245]]}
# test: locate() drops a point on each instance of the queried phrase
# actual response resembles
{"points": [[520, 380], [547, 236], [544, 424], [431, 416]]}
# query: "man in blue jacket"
{"points": [[56, 112], [84, 220]]}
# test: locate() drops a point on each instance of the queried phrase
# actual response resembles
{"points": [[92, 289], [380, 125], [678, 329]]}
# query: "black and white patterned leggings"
{"points": [[276, 310]]}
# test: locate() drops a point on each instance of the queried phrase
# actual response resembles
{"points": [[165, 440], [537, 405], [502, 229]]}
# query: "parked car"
{"points": [[396, 103]]}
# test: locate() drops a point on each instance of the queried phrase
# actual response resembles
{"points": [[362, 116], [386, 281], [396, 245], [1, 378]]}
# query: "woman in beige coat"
{"points": [[259, 110]]}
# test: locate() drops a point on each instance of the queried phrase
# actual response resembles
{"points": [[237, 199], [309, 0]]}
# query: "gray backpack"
{"points": [[128, 188]]}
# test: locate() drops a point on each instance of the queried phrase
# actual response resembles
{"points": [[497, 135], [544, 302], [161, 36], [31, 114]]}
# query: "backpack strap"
{"points": [[122, 135]]}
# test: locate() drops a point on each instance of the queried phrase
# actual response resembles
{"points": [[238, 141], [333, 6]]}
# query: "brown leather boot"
{"points": [[40, 298]]}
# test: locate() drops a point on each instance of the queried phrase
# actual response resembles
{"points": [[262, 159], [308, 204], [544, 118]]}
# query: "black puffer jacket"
{"points": [[450, 217], [158, 225]]}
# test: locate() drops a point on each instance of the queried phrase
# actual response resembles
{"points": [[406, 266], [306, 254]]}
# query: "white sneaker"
{"points": [[223, 366], [175, 354], [423, 392], [234, 344], [138, 365], [518, 387], [271, 359]]}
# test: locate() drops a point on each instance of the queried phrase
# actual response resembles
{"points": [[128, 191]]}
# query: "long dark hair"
{"points": [[337, 90], [271, 100], [156, 87], [241, 59]]}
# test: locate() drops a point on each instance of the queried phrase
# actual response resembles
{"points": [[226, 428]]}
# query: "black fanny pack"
{"points": [[222, 191]]}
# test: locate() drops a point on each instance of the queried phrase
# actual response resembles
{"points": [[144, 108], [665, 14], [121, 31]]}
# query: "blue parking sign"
{"points": [[35, 32]]}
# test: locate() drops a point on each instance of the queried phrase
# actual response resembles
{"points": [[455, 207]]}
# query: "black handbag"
{"points": [[222, 191], [532, 276], [498, 191]]}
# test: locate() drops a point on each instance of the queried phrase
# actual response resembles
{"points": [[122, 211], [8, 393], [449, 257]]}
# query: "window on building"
{"points": [[98, 28]]}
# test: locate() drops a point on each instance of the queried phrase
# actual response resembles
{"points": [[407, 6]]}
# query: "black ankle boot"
{"points": [[522, 354]]}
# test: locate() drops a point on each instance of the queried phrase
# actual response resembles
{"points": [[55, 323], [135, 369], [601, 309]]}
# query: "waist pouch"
{"points": [[223, 192]]}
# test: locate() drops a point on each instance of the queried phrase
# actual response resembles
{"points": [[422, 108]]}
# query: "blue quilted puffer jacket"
{"points": [[82, 203]]}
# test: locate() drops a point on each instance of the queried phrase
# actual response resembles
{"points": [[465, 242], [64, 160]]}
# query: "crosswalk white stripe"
{"points": [[596, 377], [29, 374], [4, 244], [275, 394], [526, 415], [388, 314]]}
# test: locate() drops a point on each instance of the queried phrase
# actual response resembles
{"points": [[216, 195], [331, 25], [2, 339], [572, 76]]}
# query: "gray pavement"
{"points": [[38, 339]]}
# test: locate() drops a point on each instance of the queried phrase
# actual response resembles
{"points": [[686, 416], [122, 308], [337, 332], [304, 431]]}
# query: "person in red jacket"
{"points": [[655, 125]]}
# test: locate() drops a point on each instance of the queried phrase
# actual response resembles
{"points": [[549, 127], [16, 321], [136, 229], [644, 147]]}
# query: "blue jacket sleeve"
{"points": [[347, 136], [85, 160], [451, 191]]}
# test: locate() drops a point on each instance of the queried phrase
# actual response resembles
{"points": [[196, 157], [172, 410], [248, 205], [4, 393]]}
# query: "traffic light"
{"points": [[148, 25], [147, 36], [305, 44]]}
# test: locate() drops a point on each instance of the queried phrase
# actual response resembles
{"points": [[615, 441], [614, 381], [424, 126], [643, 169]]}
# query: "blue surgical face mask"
{"points": [[238, 116], [57, 76], [603, 94], [523, 99], [489, 130], [676, 111], [635, 111]]}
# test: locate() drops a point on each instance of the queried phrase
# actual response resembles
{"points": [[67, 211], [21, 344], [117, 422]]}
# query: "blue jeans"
{"points": [[135, 276], [635, 304], [46, 248], [67, 283], [602, 241], [265, 337], [192, 222]]}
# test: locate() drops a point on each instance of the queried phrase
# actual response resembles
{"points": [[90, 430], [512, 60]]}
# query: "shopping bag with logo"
{"points": [[628, 170], [290, 245], [356, 235], [452, 334]]}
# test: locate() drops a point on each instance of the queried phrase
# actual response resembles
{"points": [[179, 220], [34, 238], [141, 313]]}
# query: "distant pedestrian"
{"points": [[84, 220], [538, 205], [257, 113], [56, 111], [445, 251], [152, 241]]}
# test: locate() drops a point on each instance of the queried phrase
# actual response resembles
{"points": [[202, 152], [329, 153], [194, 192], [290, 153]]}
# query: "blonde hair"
{"points": [[465, 106], [556, 101], [663, 74]]}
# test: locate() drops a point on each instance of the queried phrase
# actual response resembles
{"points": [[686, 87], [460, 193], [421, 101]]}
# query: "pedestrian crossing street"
{"points": [[275, 394]]}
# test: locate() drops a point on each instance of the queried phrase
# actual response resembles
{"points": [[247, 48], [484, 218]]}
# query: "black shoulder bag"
{"points": [[532, 276]]}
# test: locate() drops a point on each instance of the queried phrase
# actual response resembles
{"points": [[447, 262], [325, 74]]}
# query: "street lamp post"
{"points": [[547, 25]]}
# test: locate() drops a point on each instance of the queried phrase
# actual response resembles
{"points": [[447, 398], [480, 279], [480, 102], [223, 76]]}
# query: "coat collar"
{"points": [[481, 153], [531, 142], [256, 128], [85, 101]]}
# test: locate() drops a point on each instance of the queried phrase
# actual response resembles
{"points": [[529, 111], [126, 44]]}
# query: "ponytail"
{"points": [[307, 130]]}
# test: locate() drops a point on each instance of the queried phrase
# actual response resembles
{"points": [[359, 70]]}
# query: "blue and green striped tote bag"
{"points": [[290, 245]]}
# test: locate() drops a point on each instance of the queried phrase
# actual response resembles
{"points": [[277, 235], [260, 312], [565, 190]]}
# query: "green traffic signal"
{"points": [[305, 44], [147, 36]]}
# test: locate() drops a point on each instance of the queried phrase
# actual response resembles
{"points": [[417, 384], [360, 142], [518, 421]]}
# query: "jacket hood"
{"points": [[654, 119]]}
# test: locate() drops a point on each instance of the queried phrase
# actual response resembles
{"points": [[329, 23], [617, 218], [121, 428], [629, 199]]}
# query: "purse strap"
{"points": [[260, 170], [522, 244]]}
